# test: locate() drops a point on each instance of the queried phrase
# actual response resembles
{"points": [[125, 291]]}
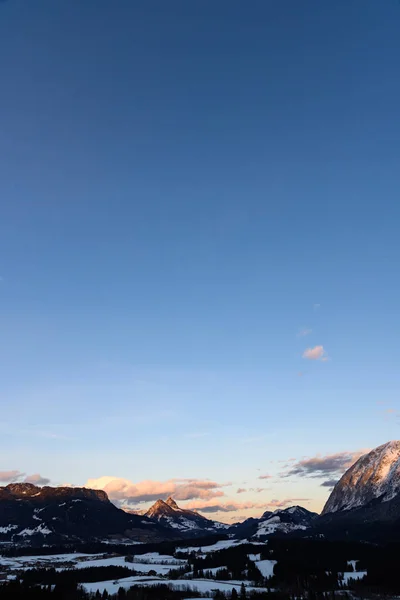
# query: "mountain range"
{"points": [[364, 504], [29, 513]]}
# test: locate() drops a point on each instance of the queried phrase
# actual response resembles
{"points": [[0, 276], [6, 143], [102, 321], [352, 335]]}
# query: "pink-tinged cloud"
{"points": [[10, 476], [241, 490], [37, 479], [286, 502], [144, 491], [315, 353], [266, 476]]}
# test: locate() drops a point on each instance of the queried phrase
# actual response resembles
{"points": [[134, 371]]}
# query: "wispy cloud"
{"points": [[303, 332], [316, 306], [329, 483], [230, 506], [10, 429], [315, 353], [241, 490], [321, 466], [286, 502], [266, 476], [10, 476]]}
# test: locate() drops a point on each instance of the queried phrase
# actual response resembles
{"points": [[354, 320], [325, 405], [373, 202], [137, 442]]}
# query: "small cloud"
{"points": [[390, 413], [10, 476], [212, 507], [329, 483], [315, 353], [303, 332], [37, 479], [316, 306], [241, 490], [266, 476], [286, 502]]}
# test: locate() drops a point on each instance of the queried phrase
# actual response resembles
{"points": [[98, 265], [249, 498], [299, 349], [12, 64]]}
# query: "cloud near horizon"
{"points": [[16, 476], [124, 490], [231, 506], [10, 475], [37, 479]]}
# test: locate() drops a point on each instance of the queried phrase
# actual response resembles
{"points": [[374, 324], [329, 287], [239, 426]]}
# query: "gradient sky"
{"points": [[192, 195]]}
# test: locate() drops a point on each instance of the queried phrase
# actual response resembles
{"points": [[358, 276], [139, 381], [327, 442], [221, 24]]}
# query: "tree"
{"points": [[234, 595], [243, 592]]}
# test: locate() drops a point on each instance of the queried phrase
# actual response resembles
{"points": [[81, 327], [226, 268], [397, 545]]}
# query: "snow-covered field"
{"points": [[161, 564], [266, 567], [221, 545], [353, 575], [20, 562], [202, 585]]}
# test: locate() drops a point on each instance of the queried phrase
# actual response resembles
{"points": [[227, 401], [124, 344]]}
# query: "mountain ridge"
{"points": [[32, 514]]}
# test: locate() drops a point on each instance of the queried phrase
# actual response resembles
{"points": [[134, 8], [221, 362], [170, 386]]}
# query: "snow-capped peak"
{"points": [[374, 475]]}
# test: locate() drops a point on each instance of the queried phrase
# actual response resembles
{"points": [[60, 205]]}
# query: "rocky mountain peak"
{"points": [[159, 510], [171, 502], [375, 475]]}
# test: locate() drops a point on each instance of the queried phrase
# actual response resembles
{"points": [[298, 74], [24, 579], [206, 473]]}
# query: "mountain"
{"points": [[280, 521], [31, 514], [365, 503], [169, 514], [375, 475]]}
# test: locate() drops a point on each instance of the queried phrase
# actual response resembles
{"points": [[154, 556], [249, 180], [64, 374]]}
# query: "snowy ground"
{"points": [[214, 547], [202, 585], [266, 567], [20, 562], [353, 575], [161, 564]]}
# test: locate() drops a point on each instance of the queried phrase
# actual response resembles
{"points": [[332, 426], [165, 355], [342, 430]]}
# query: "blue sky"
{"points": [[192, 195]]}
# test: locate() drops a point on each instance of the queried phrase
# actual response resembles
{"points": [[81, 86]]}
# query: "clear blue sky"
{"points": [[185, 187]]}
